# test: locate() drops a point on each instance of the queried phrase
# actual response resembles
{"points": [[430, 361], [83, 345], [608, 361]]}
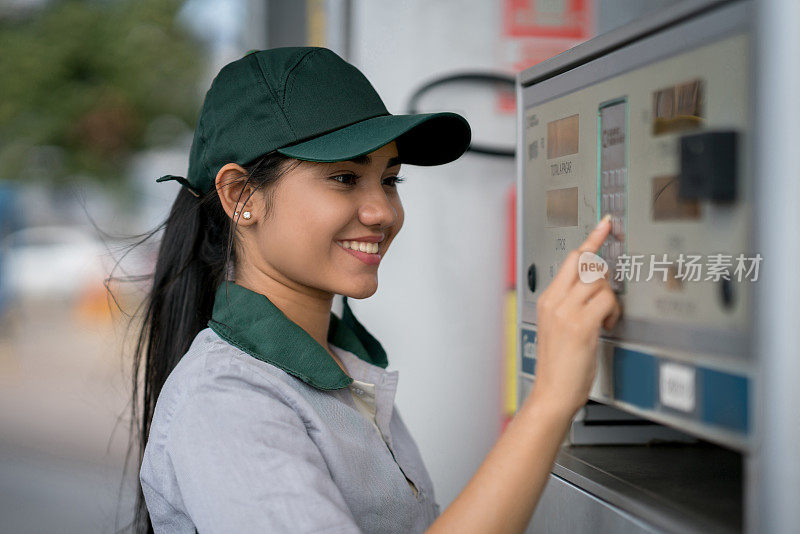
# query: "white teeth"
{"points": [[371, 248]]}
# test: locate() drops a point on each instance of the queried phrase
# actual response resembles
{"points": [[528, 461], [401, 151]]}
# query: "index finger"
{"points": [[595, 239], [568, 273]]}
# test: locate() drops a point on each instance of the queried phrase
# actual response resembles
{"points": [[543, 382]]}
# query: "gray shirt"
{"points": [[239, 445]]}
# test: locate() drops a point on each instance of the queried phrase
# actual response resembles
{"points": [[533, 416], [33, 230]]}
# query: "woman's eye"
{"points": [[346, 179], [394, 180], [351, 179]]}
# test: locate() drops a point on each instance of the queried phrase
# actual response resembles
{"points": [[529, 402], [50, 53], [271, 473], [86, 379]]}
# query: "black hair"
{"points": [[196, 253]]}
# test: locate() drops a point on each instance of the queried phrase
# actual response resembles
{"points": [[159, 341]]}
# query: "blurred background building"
{"points": [[99, 98]]}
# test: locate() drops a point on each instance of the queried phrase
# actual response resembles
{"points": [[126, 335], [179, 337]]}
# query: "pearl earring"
{"points": [[246, 215]]}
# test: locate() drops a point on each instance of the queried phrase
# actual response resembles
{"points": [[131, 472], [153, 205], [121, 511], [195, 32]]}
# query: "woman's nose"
{"points": [[377, 208]]}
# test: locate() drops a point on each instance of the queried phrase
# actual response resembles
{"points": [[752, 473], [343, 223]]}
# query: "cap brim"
{"points": [[422, 139]]}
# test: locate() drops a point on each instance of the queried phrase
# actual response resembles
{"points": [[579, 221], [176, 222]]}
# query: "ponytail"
{"points": [[195, 256]]}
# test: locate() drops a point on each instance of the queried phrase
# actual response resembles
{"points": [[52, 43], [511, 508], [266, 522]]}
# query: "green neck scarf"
{"points": [[251, 322]]}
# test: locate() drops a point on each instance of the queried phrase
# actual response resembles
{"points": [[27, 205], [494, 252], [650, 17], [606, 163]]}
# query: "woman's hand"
{"points": [[501, 496], [569, 315]]}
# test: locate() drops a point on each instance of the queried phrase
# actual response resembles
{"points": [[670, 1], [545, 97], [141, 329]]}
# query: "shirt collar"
{"points": [[250, 321]]}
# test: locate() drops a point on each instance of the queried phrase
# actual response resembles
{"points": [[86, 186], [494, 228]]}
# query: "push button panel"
{"points": [[613, 179]]}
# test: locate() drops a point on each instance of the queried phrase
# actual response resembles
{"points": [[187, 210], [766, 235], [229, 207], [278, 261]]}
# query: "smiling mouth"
{"points": [[360, 246], [370, 258]]}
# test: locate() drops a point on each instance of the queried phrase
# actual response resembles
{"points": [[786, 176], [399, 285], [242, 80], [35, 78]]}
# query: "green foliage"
{"points": [[88, 77]]}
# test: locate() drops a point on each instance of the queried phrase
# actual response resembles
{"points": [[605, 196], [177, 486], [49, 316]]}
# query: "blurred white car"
{"points": [[52, 262]]}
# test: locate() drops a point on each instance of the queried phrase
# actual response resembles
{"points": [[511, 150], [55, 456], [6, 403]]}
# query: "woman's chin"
{"points": [[361, 291]]}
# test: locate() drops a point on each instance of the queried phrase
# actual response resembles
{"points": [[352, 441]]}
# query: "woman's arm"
{"points": [[502, 495]]}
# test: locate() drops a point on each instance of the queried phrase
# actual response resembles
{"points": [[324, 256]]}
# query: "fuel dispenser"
{"points": [[652, 123]]}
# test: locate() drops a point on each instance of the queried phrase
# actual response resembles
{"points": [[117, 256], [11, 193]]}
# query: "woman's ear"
{"points": [[234, 195]]}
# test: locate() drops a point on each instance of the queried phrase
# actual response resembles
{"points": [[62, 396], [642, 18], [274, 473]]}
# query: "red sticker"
{"points": [[566, 19]]}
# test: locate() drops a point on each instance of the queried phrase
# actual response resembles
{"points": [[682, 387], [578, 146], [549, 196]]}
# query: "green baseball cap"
{"points": [[307, 103]]}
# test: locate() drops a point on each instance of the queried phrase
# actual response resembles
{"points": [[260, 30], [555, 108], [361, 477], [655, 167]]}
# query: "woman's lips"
{"points": [[366, 257]]}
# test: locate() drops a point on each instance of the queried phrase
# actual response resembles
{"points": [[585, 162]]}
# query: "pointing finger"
{"points": [[595, 239]]}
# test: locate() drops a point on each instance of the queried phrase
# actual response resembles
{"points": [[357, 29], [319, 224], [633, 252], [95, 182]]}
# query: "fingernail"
{"points": [[605, 218]]}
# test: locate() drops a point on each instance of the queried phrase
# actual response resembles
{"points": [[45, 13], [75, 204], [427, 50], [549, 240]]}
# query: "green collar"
{"points": [[251, 322]]}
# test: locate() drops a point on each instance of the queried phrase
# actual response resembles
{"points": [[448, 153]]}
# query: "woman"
{"points": [[272, 413]]}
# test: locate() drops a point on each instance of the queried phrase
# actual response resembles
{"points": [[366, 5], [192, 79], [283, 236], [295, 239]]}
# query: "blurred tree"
{"points": [[81, 80]]}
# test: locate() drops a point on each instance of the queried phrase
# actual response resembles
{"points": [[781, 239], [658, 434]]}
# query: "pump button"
{"points": [[532, 278]]}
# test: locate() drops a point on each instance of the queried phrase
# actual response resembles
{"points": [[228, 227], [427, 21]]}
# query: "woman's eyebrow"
{"points": [[366, 159]]}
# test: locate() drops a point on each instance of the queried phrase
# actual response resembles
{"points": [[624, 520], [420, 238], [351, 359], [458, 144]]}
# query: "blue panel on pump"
{"points": [[528, 365], [724, 399], [528, 346], [635, 377]]}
